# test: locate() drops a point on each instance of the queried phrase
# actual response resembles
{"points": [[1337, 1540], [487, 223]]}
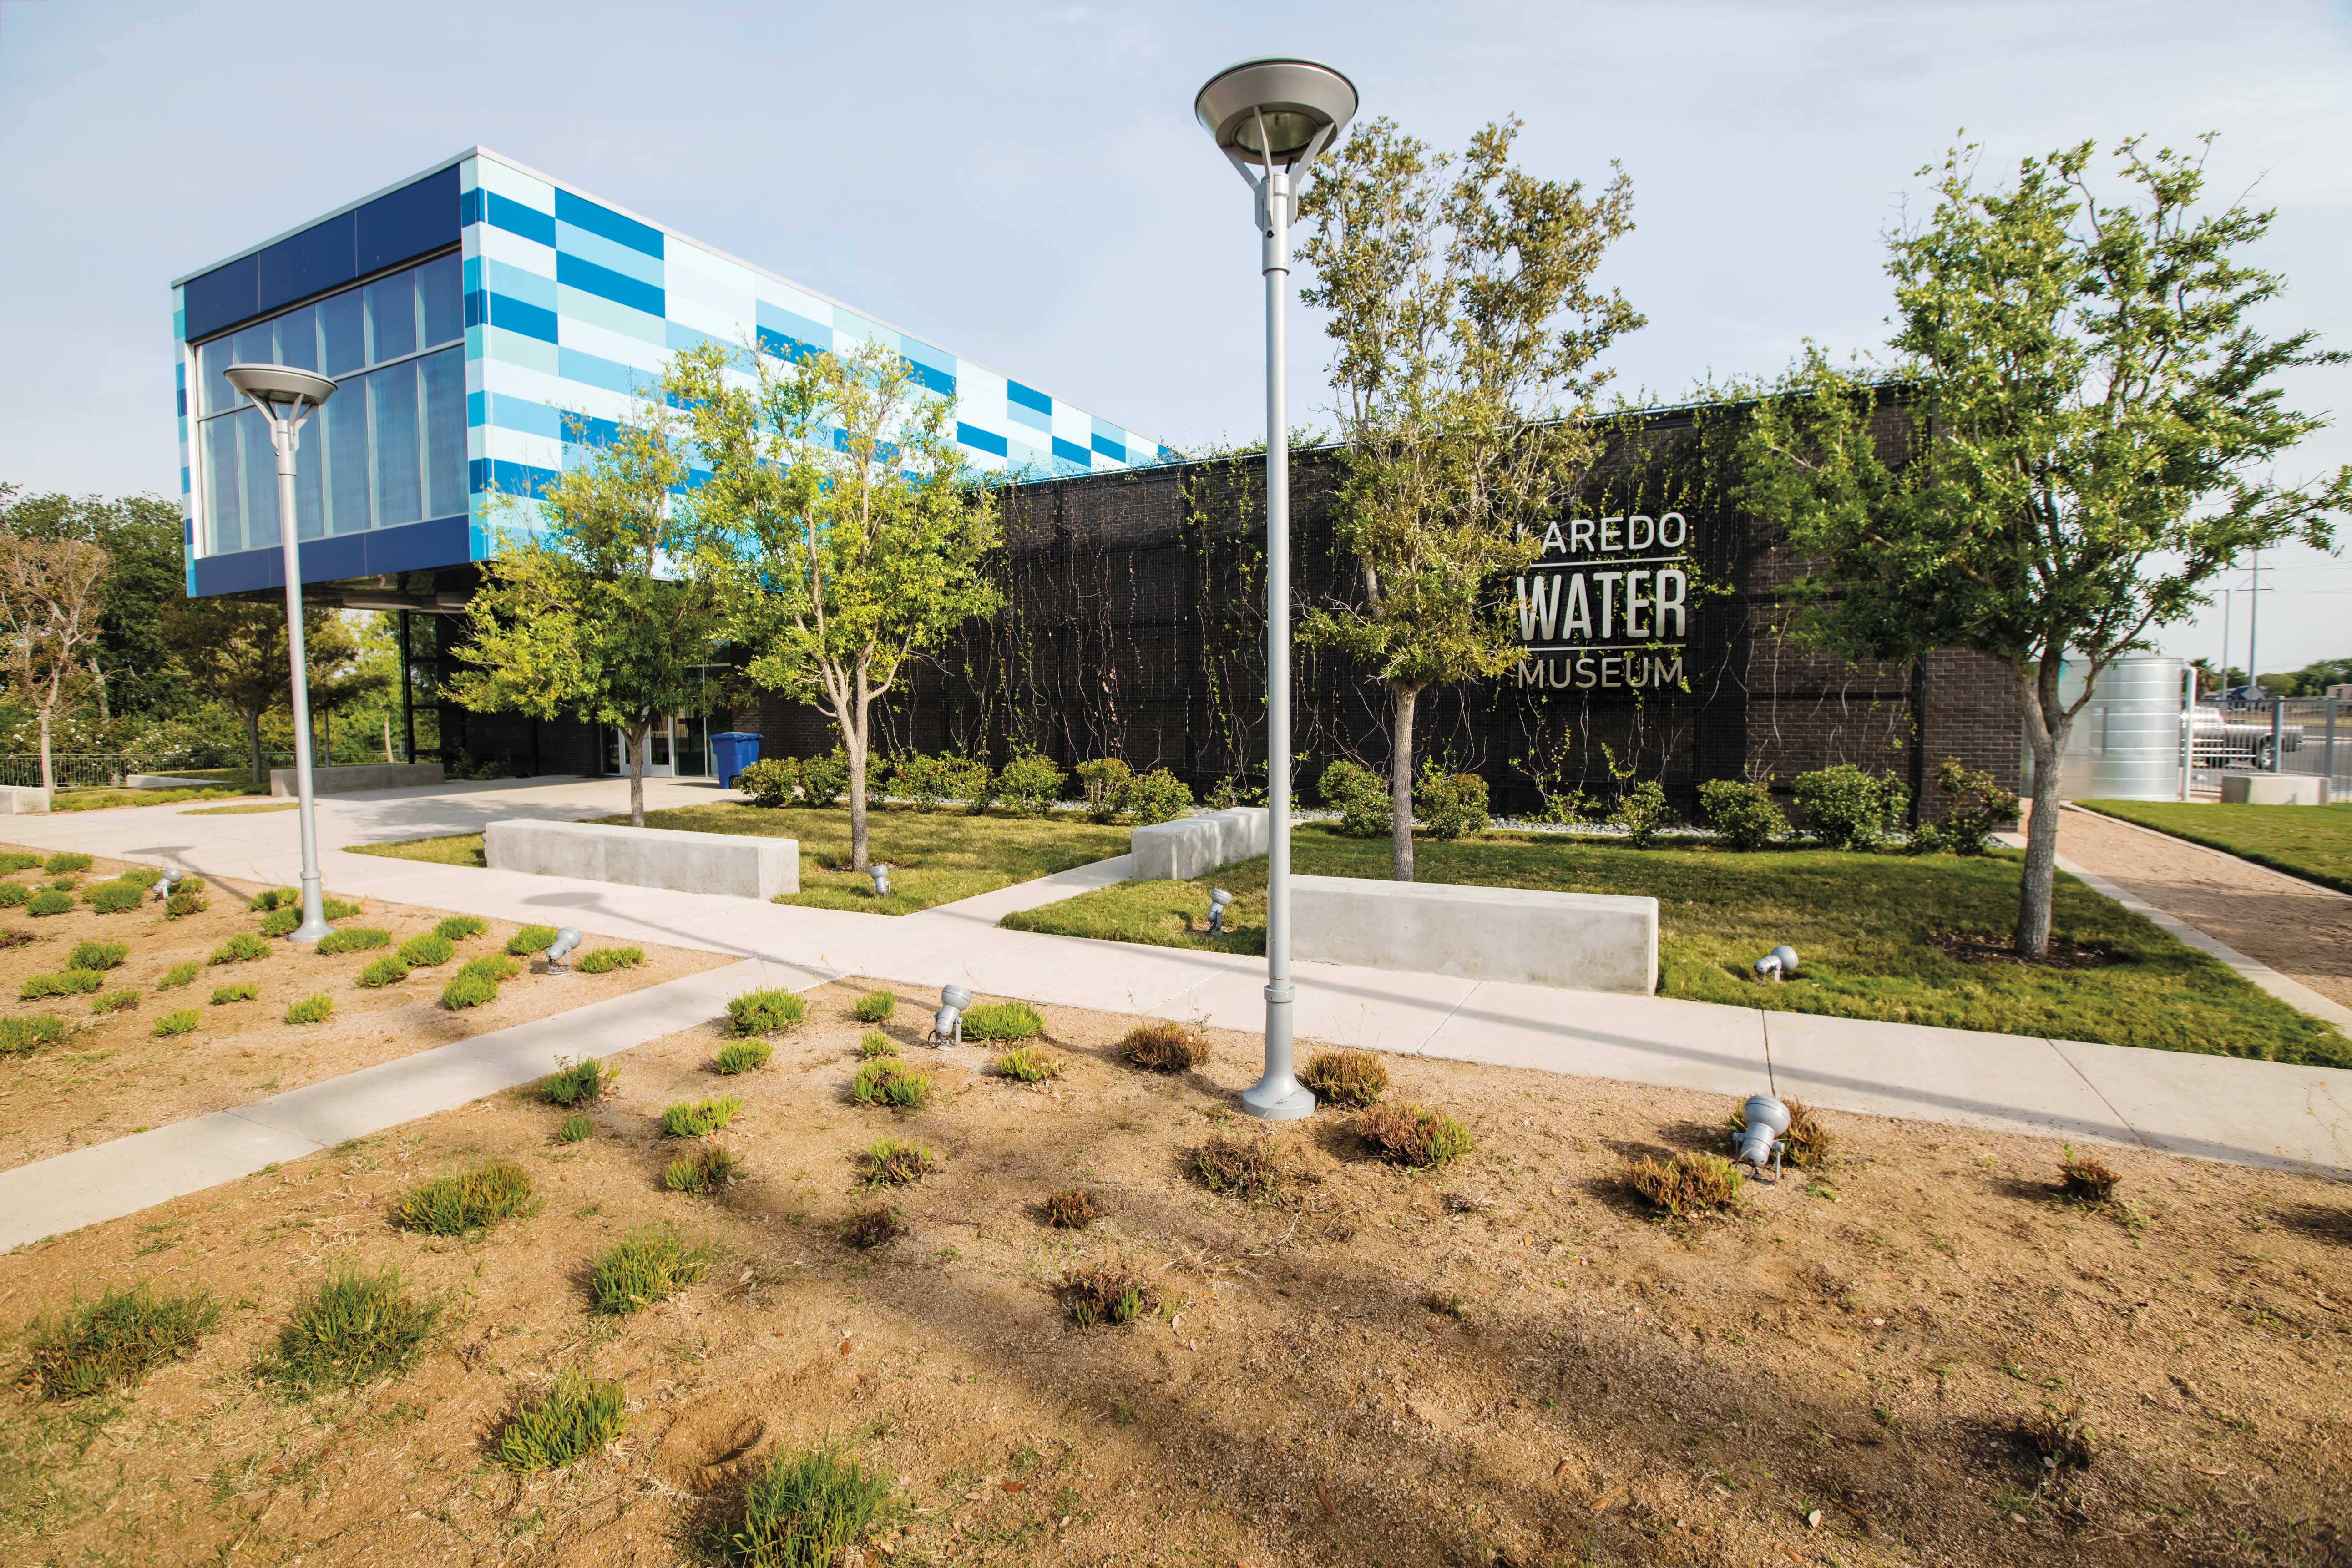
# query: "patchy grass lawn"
{"points": [[458, 850], [2313, 842], [108, 799], [1908, 939]]}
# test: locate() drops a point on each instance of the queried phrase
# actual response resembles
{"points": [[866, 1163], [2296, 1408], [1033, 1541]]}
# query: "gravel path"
{"points": [[2301, 931]]}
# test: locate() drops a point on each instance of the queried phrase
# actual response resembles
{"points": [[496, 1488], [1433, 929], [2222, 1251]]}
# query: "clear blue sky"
{"points": [[1024, 182]]}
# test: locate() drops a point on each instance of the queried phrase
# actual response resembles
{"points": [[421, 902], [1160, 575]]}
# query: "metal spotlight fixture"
{"points": [[561, 948], [1218, 899], [1777, 965], [1765, 1120], [170, 880], [881, 875], [947, 1024]]}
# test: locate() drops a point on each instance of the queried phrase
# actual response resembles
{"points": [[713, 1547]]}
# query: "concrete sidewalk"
{"points": [[2211, 1107]]}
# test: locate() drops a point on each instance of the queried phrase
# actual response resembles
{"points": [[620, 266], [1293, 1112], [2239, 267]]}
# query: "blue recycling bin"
{"points": [[732, 753]]}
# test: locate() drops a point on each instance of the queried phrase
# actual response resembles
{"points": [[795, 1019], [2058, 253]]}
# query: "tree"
{"points": [[859, 531], [132, 673], [49, 591], [1467, 324], [234, 652], [2083, 438], [607, 610]]}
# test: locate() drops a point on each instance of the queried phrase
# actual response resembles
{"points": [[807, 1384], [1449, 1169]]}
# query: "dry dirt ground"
{"points": [[1503, 1362], [113, 1076], [2302, 930]]}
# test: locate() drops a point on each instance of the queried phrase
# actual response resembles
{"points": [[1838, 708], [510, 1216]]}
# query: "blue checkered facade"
{"points": [[569, 306]]}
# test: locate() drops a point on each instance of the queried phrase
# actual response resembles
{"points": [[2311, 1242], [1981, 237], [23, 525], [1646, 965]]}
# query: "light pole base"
{"points": [[1286, 1101], [309, 931]]}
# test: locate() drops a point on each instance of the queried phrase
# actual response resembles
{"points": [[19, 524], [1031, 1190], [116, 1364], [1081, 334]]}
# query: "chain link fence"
{"points": [[100, 770]]}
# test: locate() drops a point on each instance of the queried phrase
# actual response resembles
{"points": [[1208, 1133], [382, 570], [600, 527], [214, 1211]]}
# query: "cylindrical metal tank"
{"points": [[2126, 742]]}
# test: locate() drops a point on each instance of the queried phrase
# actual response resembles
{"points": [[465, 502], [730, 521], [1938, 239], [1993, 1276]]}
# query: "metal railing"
{"points": [[99, 770], [2279, 734]]}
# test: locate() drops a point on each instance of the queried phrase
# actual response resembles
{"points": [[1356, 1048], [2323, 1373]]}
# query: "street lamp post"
{"points": [[1272, 118], [287, 397]]}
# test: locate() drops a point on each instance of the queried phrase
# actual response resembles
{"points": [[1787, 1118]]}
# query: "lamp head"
{"points": [[1764, 1119], [561, 948], [955, 997], [282, 391], [1277, 112]]}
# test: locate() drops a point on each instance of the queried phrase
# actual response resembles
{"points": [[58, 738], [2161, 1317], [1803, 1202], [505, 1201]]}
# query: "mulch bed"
{"points": [[1985, 947]]}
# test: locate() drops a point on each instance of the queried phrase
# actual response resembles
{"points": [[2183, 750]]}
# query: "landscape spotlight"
{"points": [[1764, 1119], [1272, 118], [881, 875], [1777, 965], [947, 1024], [1218, 899], [561, 948], [167, 881], [287, 397]]}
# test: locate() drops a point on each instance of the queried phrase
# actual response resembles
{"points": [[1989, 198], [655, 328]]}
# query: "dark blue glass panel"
{"points": [[391, 409], [225, 294], [408, 222], [302, 265], [343, 328], [253, 345], [259, 461], [224, 515], [298, 338], [445, 432], [346, 452], [211, 360], [437, 288], [392, 317]]}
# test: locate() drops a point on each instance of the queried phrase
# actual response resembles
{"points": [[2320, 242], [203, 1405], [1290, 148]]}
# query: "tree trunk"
{"points": [[2045, 736], [98, 680], [387, 737], [636, 743], [852, 741], [1402, 700], [253, 749], [49, 772]]}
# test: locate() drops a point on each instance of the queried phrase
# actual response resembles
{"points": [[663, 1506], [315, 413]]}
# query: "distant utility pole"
{"points": [[2254, 620]]}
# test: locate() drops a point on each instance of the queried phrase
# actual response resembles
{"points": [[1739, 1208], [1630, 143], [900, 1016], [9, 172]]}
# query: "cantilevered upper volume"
{"points": [[469, 314]]}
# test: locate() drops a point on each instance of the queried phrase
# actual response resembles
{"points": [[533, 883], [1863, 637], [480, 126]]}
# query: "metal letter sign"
{"points": [[1606, 607]]}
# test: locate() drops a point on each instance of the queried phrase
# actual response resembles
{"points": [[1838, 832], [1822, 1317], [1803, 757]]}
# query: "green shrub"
{"points": [[575, 1128], [494, 967], [1642, 811], [1164, 1045], [354, 939], [1003, 1021], [875, 1043], [225, 995], [65, 884], [969, 781], [23, 1036], [14, 894], [1030, 1065], [424, 952], [467, 989], [51, 902], [1157, 796], [1450, 804], [242, 948], [115, 1001], [825, 779], [603, 959], [1359, 796], [458, 927], [184, 902], [876, 1006], [179, 1023], [743, 1055], [1741, 811], [72, 983], [336, 909], [389, 970], [771, 781], [713, 1168], [764, 1011], [281, 923], [1353, 1079], [146, 876], [888, 1080], [531, 940], [1414, 1135], [898, 1162], [117, 1339], [1846, 808], [114, 897], [920, 781], [1975, 808], [1110, 1294], [269, 899], [808, 1510], [699, 1118], [1103, 783], [58, 865], [582, 1082], [1688, 1184], [577, 1415], [470, 1200], [316, 1008], [355, 1328], [1030, 784], [646, 1267], [177, 975], [13, 861]]}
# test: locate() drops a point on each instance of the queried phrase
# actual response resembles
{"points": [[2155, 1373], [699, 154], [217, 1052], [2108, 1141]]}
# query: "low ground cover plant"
{"points": [[1003, 1021], [888, 1080], [14, 894], [1164, 1045], [185, 900], [51, 902], [2085, 1180], [115, 1340], [531, 940], [389, 970], [875, 1226], [242, 948], [114, 1001], [465, 1201], [605, 959], [476, 982], [22, 1036], [494, 967], [1030, 1065], [764, 1012], [426, 951], [64, 861], [1247, 1168], [898, 1162], [1685, 1186], [742, 1056], [575, 1129], [356, 1327], [646, 1267], [354, 939], [577, 1415], [13, 861], [1808, 1143], [1353, 1079], [1114, 1293], [178, 1022], [699, 1118], [244, 992], [582, 1082], [177, 975], [458, 927], [807, 1509], [72, 983], [1072, 1208], [1414, 1135], [712, 1168], [876, 1006], [875, 1043], [315, 1008], [118, 897]]}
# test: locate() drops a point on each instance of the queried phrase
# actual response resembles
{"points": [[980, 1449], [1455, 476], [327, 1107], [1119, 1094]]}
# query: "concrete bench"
{"points": [[1583, 942], [2273, 789], [170, 781], [737, 865], [1193, 847], [364, 775], [18, 801]]}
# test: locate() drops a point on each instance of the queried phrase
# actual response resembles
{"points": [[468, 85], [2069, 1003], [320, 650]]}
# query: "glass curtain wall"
{"points": [[390, 445]]}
